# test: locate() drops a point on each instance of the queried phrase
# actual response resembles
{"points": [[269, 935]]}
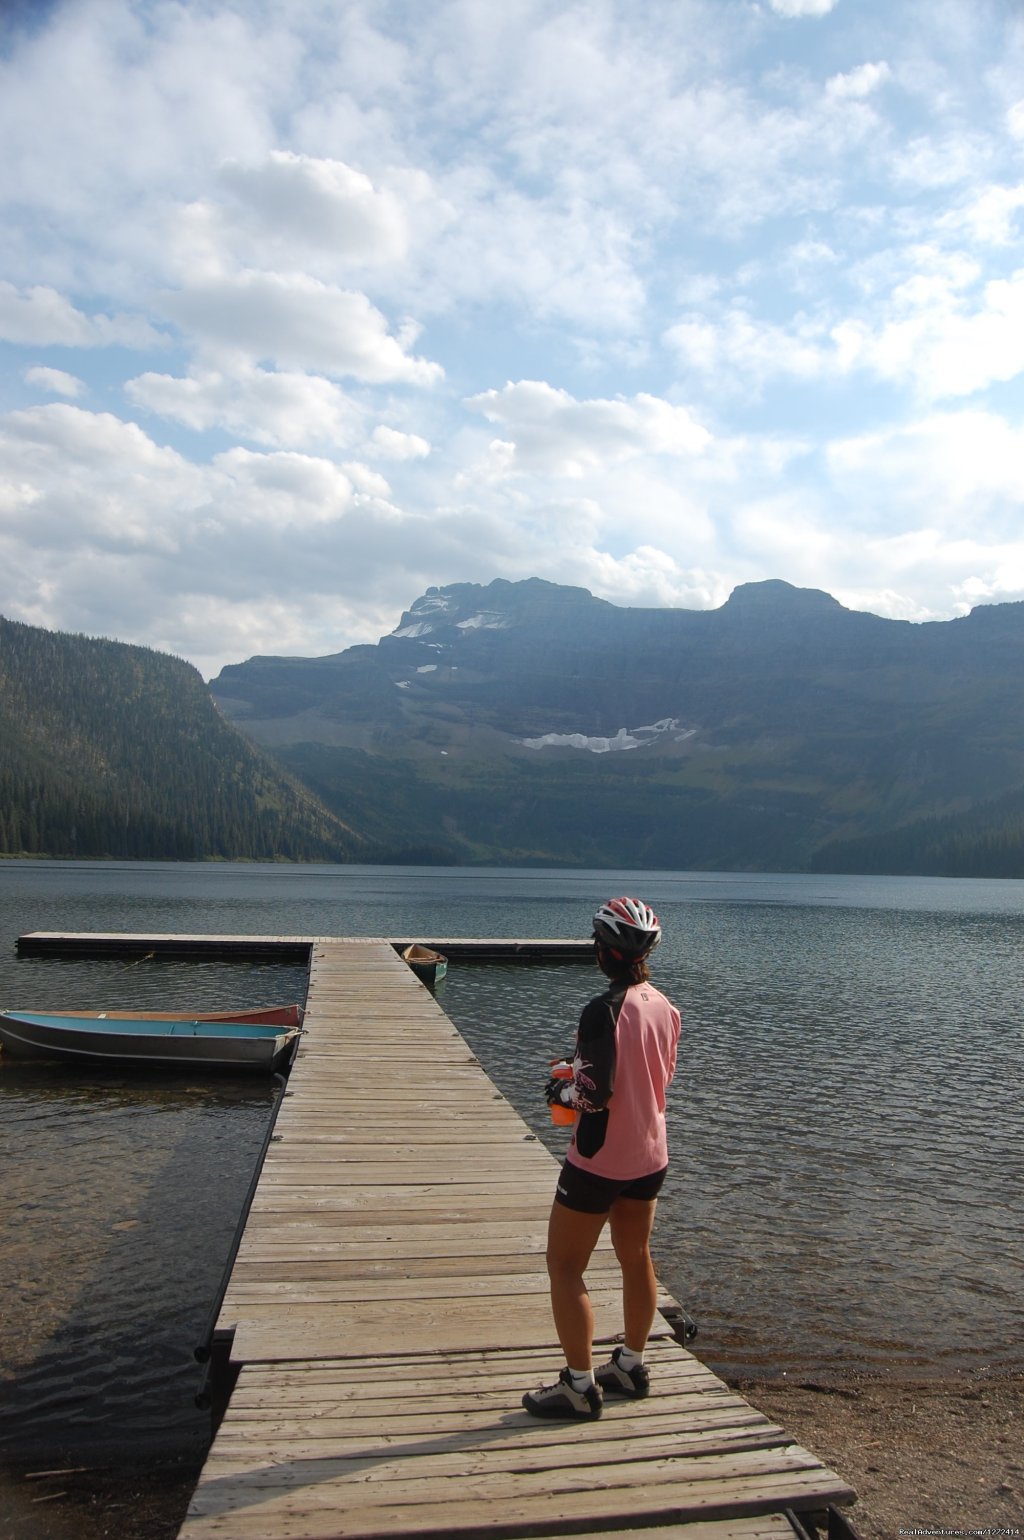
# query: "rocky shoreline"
{"points": [[927, 1455]]}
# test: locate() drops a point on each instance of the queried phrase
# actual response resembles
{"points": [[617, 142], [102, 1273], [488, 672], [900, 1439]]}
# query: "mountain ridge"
{"points": [[535, 724], [534, 721]]}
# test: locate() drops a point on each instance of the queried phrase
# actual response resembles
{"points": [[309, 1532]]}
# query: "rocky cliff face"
{"points": [[533, 721]]}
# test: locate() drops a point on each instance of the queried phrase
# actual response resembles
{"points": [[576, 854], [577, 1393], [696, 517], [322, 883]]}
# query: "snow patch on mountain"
{"points": [[631, 738], [421, 618], [487, 621], [418, 628]]}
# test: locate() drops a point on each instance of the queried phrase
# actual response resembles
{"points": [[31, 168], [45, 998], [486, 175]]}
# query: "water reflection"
{"points": [[122, 1191]]}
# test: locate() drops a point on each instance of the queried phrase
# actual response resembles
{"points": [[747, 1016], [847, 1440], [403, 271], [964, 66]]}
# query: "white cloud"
{"points": [[554, 434], [936, 331], [933, 162], [1000, 581], [391, 444], [92, 479], [298, 322], [276, 409], [991, 216], [367, 480], [946, 344], [952, 470], [740, 348], [301, 199], [650, 578], [792, 9], [57, 382], [39, 316], [281, 490], [860, 82]]}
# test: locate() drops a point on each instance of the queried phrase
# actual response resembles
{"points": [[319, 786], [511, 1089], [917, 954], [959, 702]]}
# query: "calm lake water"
{"points": [[846, 1127]]}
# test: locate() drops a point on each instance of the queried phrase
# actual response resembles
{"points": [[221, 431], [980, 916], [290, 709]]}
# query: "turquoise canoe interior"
{"points": [[135, 1027]]}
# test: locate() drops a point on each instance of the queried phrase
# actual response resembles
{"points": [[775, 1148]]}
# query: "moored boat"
{"points": [[266, 1015], [192, 1042], [428, 966]]}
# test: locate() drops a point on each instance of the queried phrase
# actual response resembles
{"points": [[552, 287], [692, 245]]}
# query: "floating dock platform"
{"points": [[294, 949]]}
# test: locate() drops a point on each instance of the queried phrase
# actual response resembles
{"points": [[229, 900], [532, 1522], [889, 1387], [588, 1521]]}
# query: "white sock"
{"points": [[628, 1359], [581, 1378]]}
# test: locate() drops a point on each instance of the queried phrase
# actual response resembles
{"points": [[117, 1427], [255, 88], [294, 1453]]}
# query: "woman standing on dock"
{"points": [[626, 1044]]}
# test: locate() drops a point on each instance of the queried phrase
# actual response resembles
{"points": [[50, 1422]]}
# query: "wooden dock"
{"points": [[388, 1307], [89, 943]]}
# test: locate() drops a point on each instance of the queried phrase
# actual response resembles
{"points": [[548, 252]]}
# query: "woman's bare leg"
{"points": [[632, 1221], [571, 1240]]}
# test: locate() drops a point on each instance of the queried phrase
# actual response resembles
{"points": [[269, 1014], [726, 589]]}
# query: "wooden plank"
{"points": [[469, 1369], [524, 1201], [342, 1215], [310, 1332], [454, 1286], [327, 1509], [767, 1526], [607, 1446]]}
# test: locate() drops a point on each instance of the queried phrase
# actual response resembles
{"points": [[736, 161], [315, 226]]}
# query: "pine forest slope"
{"points": [[109, 750]]}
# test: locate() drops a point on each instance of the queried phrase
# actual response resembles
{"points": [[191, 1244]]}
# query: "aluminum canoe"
{"points": [[148, 1041]]}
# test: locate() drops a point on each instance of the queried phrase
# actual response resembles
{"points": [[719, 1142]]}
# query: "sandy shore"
{"points": [[929, 1455]]}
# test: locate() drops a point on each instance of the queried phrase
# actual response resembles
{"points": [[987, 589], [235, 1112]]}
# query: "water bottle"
{"points": [[562, 1116]]}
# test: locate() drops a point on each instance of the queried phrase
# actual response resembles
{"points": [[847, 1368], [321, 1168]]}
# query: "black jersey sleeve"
{"points": [[594, 1062]]}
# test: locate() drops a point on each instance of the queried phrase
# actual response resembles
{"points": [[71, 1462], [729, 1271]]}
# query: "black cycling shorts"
{"points": [[589, 1194]]}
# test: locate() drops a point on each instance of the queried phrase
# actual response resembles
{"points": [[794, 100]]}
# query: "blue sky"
{"points": [[308, 305]]}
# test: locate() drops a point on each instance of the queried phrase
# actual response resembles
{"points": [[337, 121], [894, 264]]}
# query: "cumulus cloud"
{"points": [[265, 407], [298, 322], [370, 482], [945, 343], [555, 434], [40, 317], [92, 479], [391, 444], [281, 490], [55, 381], [651, 578], [318, 202]]}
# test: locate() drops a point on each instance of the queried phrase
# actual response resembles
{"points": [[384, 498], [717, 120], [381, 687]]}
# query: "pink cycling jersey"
{"points": [[625, 1059]]}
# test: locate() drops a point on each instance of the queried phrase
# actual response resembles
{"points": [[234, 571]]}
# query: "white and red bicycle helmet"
{"points": [[628, 927]]}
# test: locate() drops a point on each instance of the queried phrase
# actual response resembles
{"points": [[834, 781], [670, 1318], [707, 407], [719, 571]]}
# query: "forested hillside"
{"points": [[113, 750], [986, 841]]}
